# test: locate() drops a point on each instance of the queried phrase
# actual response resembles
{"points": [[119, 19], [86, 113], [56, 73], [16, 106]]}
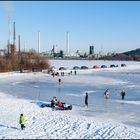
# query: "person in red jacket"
{"points": [[60, 104]]}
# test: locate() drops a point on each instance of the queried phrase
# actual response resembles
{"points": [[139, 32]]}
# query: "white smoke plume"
{"points": [[8, 8]]}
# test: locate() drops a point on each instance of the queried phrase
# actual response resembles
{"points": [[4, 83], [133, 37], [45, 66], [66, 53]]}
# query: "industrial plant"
{"points": [[55, 53], [12, 48], [12, 58], [61, 54]]}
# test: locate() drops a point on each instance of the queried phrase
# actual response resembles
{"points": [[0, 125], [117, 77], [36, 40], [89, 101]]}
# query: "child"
{"points": [[22, 121]]}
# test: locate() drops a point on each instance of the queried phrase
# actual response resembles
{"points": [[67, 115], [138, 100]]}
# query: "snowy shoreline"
{"points": [[45, 123]]}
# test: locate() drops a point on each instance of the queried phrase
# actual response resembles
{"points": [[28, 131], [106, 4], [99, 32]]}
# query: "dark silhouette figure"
{"points": [[59, 80], [75, 72], [106, 94], [61, 73], [53, 102], [122, 94], [86, 99]]}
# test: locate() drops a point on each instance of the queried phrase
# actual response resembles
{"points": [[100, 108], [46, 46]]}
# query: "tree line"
{"points": [[23, 60]]}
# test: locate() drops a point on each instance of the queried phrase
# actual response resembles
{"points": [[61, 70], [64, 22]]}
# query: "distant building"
{"points": [[61, 54], [55, 49], [2, 52], [91, 50], [72, 55]]}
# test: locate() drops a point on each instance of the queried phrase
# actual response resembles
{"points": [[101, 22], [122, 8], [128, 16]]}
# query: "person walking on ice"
{"points": [[106, 94], [59, 80], [75, 72], [86, 100], [22, 121], [122, 94]]}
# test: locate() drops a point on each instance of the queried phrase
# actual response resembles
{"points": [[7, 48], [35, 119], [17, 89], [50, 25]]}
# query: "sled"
{"points": [[66, 107]]}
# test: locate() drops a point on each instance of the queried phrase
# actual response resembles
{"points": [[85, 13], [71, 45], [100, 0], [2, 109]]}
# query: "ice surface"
{"points": [[41, 87]]}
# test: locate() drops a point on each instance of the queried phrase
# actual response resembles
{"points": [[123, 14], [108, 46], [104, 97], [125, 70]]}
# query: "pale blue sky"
{"points": [[109, 26]]}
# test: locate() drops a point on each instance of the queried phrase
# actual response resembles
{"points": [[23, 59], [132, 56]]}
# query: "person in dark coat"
{"points": [[106, 94], [53, 102], [75, 72], [86, 99], [122, 94], [59, 80]]}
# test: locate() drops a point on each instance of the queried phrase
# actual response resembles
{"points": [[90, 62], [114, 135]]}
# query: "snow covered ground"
{"points": [[104, 119]]}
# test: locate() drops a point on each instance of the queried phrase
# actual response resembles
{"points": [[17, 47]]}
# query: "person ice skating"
{"points": [[122, 94], [106, 94], [22, 121], [59, 80], [86, 100]]}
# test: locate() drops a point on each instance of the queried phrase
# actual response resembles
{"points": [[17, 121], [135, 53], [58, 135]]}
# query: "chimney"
{"points": [[9, 43], [19, 43], [67, 47], [38, 42], [8, 46], [14, 43]]}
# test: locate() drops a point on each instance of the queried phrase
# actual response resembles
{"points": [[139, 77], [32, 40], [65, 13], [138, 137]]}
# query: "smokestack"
{"points": [[14, 32], [67, 47], [9, 42], [19, 43], [38, 42], [14, 43], [24, 46], [8, 46]]}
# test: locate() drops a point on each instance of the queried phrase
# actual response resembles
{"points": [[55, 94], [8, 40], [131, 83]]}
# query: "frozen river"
{"points": [[73, 87]]}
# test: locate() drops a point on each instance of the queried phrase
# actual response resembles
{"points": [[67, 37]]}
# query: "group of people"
{"points": [[53, 73], [54, 103], [106, 96], [59, 105]]}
